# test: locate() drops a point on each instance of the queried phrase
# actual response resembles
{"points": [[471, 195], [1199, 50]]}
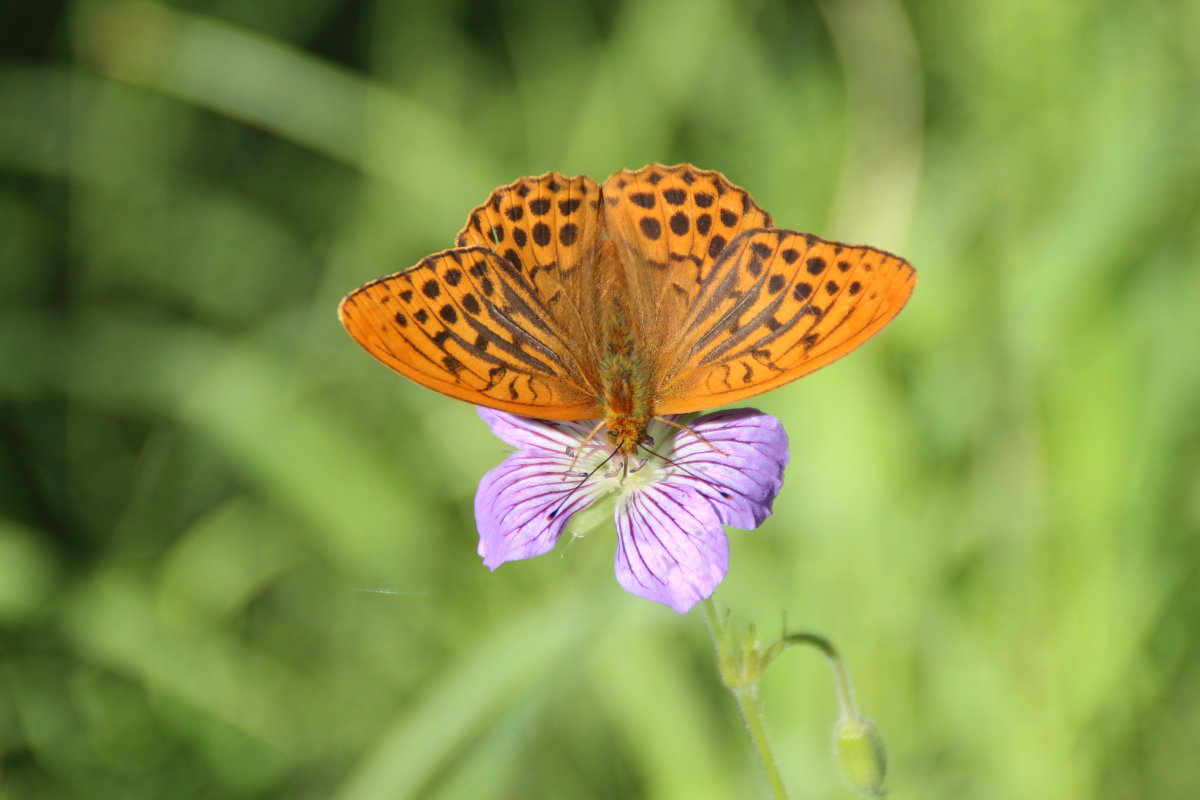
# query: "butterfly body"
{"points": [[665, 290], [625, 395]]}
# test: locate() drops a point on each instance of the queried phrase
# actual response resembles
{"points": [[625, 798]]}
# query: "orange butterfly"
{"points": [[665, 290]]}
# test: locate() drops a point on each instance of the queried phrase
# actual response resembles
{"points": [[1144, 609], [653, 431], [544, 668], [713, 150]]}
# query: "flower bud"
{"points": [[861, 754]]}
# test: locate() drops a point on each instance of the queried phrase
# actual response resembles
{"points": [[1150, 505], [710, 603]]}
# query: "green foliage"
{"points": [[237, 555]]}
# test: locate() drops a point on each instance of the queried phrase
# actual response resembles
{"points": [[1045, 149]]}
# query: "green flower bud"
{"points": [[861, 754]]}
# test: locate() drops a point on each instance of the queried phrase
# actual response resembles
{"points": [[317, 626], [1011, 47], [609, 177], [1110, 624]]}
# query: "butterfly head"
{"points": [[625, 433]]}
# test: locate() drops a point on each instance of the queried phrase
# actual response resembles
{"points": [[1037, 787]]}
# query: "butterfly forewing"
{"points": [[466, 323], [778, 305]]}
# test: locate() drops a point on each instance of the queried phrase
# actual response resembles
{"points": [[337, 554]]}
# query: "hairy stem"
{"points": [[745, 691]]}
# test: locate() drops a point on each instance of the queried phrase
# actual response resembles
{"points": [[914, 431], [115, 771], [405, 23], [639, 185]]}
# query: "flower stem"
{"points": [[847, 705], [745, 690]]}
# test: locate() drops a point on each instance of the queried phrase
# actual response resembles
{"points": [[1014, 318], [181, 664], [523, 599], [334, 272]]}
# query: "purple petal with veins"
{"points": [[519, 506], [529, 434], [743, 478], [671, 547]]}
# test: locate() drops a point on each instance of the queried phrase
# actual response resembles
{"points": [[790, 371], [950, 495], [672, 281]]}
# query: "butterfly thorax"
{"points": [[625, 388]]}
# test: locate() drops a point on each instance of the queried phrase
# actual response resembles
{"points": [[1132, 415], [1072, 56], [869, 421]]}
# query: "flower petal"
{"points": [[527, 433], [743, 478], [670, 545], [517, 505]]}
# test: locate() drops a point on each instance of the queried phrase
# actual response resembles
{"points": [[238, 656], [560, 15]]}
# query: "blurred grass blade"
{"points": [[239, 397], [881, 168], [280, 88], [517, 660]]}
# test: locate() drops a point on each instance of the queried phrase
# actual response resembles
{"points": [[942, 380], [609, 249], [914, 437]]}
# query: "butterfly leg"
{"points": [[579, 450], [692, 431]]}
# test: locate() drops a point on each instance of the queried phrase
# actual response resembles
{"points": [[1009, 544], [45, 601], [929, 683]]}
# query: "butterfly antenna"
{"points": [[724, 494], [553, 514], [692, 431]]}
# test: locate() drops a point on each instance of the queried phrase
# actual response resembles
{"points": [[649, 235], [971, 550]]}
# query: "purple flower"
{"points": [[669, 508]]}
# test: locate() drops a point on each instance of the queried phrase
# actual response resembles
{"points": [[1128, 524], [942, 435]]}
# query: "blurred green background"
{"points": [[237, 556]]}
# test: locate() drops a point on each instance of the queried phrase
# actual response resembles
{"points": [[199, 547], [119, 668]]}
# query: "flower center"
{"points": [[622, 476], [625, 473]]}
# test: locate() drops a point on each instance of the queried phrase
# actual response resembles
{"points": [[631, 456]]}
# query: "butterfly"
{"points": [[664, 290]]}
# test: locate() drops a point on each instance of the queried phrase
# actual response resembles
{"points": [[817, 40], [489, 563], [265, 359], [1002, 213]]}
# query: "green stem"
{"points": [[746, 693], [847, 705]]}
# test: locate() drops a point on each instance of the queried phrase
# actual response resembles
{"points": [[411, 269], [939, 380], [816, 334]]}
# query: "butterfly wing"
{"points": [[728, 305], [507, 319], [777, 305], [468, 324], [723, 305], [548, 227], [669, 225]]}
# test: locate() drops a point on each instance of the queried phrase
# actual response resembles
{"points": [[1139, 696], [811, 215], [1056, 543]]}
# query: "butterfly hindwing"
{"points": [[546, 226], [677, 218], [466, 323], [670, 224], [777, 305]]}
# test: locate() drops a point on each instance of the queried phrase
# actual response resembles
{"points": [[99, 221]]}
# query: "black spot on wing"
{"points": [[675, 197], [643, 199]]}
